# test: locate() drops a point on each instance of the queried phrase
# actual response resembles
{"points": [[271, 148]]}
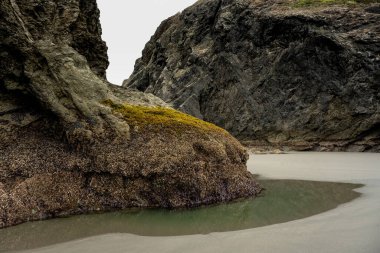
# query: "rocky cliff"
{"points": [[298, 74], [72, 143]]}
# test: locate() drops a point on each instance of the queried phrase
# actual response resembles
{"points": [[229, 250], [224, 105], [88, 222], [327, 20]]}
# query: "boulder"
{"points": [[71, 143]]}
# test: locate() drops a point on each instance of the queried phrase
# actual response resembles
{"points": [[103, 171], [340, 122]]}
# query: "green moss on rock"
{"points": [[305, 3], [166, 118]]}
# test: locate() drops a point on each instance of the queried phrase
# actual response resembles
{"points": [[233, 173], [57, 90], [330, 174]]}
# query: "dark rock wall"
{"points": [[31, 30], [52, 54], [271, 74], [75, 22]]}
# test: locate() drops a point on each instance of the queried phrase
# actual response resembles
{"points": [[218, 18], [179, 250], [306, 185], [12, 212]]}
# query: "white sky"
{"points": [[127, 27]]}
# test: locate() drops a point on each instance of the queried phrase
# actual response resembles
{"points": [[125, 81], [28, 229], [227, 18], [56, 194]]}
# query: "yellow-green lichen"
{"points": [[160, 118]]}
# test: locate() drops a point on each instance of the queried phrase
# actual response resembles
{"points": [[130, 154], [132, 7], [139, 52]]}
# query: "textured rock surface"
{"points": [[68, 143], [270, 73]]}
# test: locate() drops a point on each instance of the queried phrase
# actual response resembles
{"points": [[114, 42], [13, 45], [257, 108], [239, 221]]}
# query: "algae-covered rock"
{"points": [[72, 143], [298, 73]]}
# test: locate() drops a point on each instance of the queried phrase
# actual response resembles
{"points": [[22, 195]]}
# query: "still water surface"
{"points": [[282, 201]]}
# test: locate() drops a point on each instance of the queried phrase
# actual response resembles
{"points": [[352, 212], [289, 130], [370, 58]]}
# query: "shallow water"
{"points": [[282, 201]]}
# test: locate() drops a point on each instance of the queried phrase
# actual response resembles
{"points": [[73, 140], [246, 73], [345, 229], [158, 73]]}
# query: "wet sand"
{"points": [[352, 227]]}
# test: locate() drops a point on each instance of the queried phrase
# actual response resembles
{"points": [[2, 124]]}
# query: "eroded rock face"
{"points": [[272, 74], [72, 143]]}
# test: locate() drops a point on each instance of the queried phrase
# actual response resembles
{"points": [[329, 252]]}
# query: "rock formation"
{"points": [[273, 73], [72, 143]]}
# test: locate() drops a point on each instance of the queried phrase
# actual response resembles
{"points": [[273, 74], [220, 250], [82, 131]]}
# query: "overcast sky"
{"points": [[128, 25]]}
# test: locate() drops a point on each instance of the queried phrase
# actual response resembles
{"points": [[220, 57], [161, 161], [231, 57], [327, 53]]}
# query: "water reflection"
{"points": [[283, 200]]}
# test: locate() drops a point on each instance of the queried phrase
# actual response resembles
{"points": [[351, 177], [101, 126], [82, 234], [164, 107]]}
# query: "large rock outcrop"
{"points": [[72, 143], [272, 72]]}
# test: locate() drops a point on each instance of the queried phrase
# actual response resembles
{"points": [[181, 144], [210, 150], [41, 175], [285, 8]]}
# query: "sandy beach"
{"points": [[351, 228]]}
